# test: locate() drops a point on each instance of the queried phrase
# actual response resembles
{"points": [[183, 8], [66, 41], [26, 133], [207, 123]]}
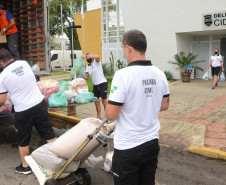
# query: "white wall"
{"points": [[93, 4], [161, 20]]}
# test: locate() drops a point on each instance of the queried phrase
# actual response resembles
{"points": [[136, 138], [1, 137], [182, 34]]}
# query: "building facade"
{"points": [[112, 29], [174, 26]]}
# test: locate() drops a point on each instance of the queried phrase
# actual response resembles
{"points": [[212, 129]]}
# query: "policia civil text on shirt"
{"points": [[8, 27], [100, 85], [138, 93], [19, 81], [216, 64]]}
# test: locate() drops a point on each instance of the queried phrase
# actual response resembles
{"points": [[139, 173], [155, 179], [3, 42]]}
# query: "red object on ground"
{"points": [[47, 91]]}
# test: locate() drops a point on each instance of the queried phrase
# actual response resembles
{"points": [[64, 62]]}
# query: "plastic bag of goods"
{"points": [[48, 87], [84, 98], [108, 161], [82, 89], [58, 100], [77, 82], [63, 85], [222, 77], [70, 95], [7, 107], [70, 141], [78, 70], [47, 83], [43, 156], [205, 76]]}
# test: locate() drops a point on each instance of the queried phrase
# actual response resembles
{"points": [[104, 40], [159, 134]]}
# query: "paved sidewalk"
{"points": [[196, 103], [196, 116]]}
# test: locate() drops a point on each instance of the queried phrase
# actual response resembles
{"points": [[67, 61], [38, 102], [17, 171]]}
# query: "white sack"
{"points": [[43, 156], [68, 143], [42, 173]]}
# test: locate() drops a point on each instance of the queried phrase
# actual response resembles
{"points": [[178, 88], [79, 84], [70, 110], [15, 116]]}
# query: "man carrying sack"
{"points": [[8, 28]]}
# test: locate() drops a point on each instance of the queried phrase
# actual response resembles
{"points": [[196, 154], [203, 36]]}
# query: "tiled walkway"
{"points": [[215, 136]]}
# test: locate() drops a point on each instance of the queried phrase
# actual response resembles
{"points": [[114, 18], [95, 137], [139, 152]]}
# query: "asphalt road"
{"points": [[175, 167]]}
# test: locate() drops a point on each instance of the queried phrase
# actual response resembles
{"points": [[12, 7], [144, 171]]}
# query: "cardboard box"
{"points": [[71, 110], [3, 39]]}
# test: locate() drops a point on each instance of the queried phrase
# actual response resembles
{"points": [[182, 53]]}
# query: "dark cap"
{"points": [[1, 6]]}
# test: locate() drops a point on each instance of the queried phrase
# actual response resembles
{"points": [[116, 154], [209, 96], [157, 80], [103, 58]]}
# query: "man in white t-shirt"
{"points": [[216, 64], [100, 85], [138, 93], [19, 81]]}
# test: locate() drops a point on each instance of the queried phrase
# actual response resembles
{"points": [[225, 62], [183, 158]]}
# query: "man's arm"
{"points": [[97, 57], [209, 65], [222, 66], [87, 76], [3, 99], [11, 22], [165, 104], [112, 111]]}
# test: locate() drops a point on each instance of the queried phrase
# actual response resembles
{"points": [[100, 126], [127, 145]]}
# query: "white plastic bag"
{"points": [[108, 161], [205, 76], [35, 67], [222, 77]]}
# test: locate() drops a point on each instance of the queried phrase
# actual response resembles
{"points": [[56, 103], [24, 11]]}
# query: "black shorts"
{"points": [[215, 70], [137, 165], [101, 90], [36, 116]]}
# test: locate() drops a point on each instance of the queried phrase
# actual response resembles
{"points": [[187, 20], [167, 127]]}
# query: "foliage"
{"points": [[120, 64], [52, 44], [112, 66], [169, 75], [182, 61], [90, 84], [55, 18], [108, 68]]}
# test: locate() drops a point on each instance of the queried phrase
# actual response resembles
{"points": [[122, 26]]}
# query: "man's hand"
{"points": [[83, 56], [2, 32]]}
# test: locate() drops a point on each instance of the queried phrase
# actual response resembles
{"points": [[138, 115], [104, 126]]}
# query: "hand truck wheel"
{"points": [[83, 177], [51, 182]]}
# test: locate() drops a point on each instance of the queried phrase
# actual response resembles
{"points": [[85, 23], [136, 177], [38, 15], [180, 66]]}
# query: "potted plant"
{"points": [[184, 62]]}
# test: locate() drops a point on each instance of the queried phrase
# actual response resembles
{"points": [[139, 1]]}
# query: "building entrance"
{"points": [[204, 46]]}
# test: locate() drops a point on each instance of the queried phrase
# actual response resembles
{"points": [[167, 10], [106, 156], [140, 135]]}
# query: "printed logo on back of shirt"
{"points": [[18, 71], [114, 89]]}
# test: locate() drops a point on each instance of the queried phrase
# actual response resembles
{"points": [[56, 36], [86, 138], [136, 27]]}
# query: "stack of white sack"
{"points": [[70, 141], [51, 157]]}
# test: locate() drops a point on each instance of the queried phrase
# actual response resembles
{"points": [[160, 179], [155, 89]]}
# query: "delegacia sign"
{"points": [[213, 21]]}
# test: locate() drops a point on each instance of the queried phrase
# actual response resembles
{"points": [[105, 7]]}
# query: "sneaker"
{"points": [[23, 170], [213, 87]]}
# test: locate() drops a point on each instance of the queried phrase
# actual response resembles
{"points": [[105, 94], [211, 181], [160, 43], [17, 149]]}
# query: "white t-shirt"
{"points": [[139, 89], [19, 81], [95, 70], [216, 60]]}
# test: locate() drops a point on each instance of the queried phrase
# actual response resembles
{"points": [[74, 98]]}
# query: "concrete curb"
{"points": [[207, 152], [64, 117]]}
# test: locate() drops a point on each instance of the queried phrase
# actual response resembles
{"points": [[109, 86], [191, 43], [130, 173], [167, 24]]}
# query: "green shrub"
{"points": [[169, 75], [120, 64]]}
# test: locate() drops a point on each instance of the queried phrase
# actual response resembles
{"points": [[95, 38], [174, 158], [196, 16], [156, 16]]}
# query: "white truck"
{"points": [[61, 60]]}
